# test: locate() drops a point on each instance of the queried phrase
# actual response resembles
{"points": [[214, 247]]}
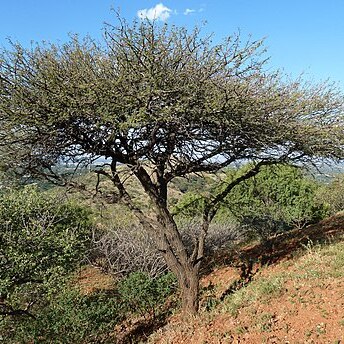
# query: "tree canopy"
{"points": [[162, 95], [164, 102]]}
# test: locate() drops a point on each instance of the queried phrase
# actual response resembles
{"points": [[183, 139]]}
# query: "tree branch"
{"points": [[212, 207]]}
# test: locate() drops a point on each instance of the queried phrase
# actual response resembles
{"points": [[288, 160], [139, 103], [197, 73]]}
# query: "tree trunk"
{"points": [[189, 289], [170, 243]]}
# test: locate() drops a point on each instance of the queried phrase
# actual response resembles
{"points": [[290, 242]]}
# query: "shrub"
{"points": [[142, 294], [333, 194], [280, 196], [220, 233], [42, 239], [68, 317], [277, 199], [120, 245], [125, 250]]}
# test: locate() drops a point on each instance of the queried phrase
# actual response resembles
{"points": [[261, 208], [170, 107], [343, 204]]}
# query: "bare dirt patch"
{"points": [[91, 279]]}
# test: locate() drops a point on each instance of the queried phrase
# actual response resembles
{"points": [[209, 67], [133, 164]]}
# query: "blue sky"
{"points": [[301, 35]]}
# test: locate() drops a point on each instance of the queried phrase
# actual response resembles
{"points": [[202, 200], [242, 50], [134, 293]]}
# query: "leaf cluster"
{"points": [[142, 294], [69, 316]]}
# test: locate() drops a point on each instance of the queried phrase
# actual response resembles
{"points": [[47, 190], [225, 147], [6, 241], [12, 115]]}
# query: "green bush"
{"points": [[142, 294], [69, 317], [42, 240], [278, 198], [333, 194]]}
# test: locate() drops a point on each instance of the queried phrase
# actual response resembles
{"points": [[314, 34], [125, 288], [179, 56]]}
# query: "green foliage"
{"points": [[190, 205], [192, 183], [69, 317], [279, 197], [333, 194], [42, 239], [142, 294]]}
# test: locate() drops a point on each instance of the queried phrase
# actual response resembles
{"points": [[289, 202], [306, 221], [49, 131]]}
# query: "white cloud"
{"points": [[158, 12], [188, 11]]}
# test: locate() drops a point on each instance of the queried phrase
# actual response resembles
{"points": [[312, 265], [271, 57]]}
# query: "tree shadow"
{"points": [[282, 247], [139, 331], [285, 246]]}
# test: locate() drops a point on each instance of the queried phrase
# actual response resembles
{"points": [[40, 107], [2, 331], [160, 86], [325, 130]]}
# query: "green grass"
{"points": [[263, 290], [319, 262], [265, 322]]}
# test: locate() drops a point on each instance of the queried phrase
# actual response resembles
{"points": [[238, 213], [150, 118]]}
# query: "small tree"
{"points": [[163, 103]]}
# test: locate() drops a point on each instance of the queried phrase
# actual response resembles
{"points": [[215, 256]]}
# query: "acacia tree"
{"points": [[163, 103]]}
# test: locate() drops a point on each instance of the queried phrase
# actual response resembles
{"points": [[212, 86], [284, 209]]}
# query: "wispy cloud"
{"points": [[158, 12], [188, 11]]}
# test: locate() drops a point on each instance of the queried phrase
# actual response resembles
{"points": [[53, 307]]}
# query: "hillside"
{"points": [[297, 298], [288, 290]]}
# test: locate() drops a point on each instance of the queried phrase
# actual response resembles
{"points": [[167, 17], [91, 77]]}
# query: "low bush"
{"points": [[68, 317], [124, 250], [71, 317], [142, 294], [221, 234]]}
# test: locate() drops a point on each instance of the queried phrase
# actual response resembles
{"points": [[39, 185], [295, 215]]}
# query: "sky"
{"points": [[301, 36]]}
